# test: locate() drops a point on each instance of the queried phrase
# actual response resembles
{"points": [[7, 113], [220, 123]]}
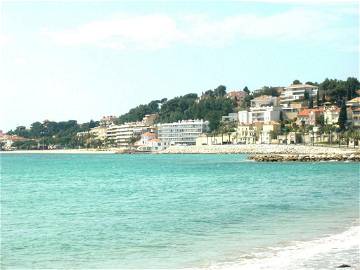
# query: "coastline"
{"points": [[257, 152], [61, 151]]}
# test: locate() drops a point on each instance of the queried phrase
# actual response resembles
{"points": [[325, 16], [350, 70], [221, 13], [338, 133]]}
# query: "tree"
{"points": [[296, 82], [306, 95], [342, 117], [220, 91], [311, 102], [351, 85], [246, 89]]}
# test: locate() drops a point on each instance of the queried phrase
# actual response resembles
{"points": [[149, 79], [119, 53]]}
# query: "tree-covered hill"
{"points": [[211, 105]]}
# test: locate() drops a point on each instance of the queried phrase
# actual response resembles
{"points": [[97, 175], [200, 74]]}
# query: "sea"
{"points": [[185, 211]]}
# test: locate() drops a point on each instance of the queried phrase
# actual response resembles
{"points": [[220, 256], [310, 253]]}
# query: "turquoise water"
{"points": [[164, 211]]}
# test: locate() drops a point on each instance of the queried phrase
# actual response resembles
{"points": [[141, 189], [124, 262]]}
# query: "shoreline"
{"points": [[61, 151], [255, 152], [324, 252]]}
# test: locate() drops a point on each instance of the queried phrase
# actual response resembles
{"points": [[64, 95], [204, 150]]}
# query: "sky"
{"points": [[83, 60]]}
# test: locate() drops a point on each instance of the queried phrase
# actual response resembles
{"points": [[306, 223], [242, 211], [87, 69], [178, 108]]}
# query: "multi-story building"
{"points": [[353, 112], [98, 132], [231, 117], [182, 132], [122, 135], [259, 114], [331, 115], [269, 131], [263, 109], [248, 133], [296, 92], [309, 116]]}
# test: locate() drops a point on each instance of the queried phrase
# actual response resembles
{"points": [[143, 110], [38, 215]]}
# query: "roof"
{"points": [[306, 112], [149, 134], [354, 100]]}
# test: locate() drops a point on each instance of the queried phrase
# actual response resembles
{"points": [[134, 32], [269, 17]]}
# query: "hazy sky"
{"points": [[80, 61]]}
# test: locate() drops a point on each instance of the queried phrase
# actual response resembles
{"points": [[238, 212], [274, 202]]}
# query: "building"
{"points": [[309, 116], [248, 133], [269, 132], [297, 92], [107, 120], [183, 132], [145, 138], [331, 115], [265, 101], [353, 112], [259, 114], [263, 109], [231, 117], [152, 145], [98, 133], [149, 119], [237, 96], [122, 135]]}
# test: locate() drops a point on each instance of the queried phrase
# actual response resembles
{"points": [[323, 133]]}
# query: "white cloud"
{"points": [[161, 31]]}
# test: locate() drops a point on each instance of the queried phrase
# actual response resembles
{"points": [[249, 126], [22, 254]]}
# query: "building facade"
{"points": [[183, 132], [297, 92], [259, 114], [122, 135]]}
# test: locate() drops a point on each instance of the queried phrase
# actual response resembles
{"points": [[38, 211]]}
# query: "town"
{"points": [[300, 113]]}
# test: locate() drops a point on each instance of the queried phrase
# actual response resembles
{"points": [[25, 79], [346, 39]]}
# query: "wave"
{"points": [[324, 253]]}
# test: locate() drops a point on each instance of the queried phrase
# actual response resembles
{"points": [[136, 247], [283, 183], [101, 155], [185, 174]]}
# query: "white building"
{"points": [[331, 115], [231, 117], [182, 132], [123, 134], [259, 114], [297, 92]]}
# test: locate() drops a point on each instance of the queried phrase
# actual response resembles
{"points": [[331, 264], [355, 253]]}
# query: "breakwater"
{"points": [[305, 158]]}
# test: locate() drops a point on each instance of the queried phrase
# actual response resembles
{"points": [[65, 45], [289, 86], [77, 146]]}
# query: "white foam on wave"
{"points": [[324, 253]]}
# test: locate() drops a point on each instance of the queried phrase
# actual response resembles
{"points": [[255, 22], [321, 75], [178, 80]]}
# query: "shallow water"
{"points": [[171, 211]]}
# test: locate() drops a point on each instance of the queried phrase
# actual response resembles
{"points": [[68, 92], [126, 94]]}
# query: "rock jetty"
{"points": [[271, 152], [305, 158]]}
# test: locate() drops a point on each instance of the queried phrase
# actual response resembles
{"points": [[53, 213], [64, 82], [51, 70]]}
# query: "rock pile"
{"points": [[305, 158]]}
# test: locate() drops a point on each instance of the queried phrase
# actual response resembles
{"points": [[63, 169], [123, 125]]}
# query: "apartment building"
{"points": [[259, 114], [121, 135], [297, 92], [353, 112], [183, 132]]}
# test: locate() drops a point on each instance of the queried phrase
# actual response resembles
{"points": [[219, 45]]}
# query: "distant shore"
{"points": [[62, 151], [256, 152]]}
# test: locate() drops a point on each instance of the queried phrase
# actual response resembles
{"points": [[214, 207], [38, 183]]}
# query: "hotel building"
{"points": [[183, 132]]}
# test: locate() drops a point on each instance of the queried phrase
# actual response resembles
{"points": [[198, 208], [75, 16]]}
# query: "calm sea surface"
{"points": [[165, 211]]}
